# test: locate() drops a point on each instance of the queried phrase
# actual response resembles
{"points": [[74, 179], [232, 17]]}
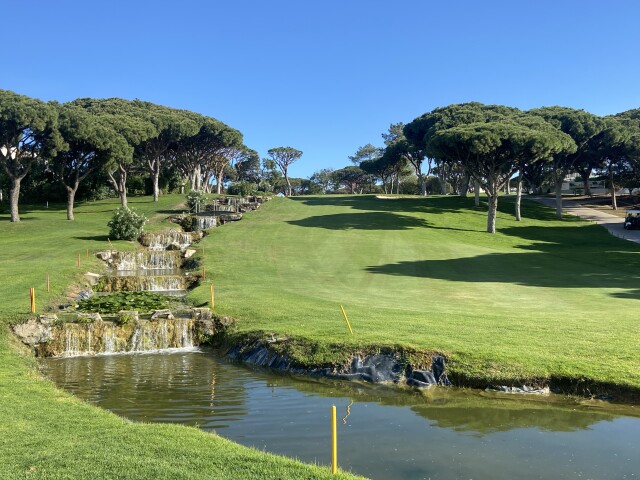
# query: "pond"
{"points": [[383, 432]]}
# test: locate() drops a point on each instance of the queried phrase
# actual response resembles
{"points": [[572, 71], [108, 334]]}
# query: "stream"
{"points": [[383, 432]]}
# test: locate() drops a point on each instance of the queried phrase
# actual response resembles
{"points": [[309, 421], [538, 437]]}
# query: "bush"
{"points": [[244, 189], [126, 224], [101, 193], [196, 200], [189, 223]]}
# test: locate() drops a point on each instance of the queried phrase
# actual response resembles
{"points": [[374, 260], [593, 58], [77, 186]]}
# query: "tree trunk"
{"points": [[558, 184], [493, 209], [518, 198], [443, 182], [476, 192], [71, 195], [585, 173], [219, 182], [155, 176], [614, 203], [286, 177], [14, 195], [423, 185], [464, 188]]}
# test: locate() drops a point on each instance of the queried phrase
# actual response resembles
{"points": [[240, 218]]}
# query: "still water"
{"points": [[383, 432]]}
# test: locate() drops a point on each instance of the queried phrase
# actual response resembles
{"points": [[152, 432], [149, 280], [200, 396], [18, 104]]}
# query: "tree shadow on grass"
{"points": [[94, 238], [361, 221], [528, 269], [557, 257], [435, 205]]}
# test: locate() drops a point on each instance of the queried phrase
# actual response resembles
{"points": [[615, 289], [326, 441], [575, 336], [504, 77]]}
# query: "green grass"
{"points": [[541, 300], [48, 434]]}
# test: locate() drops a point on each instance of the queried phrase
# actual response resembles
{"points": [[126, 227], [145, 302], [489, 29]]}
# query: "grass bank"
{"points": [[48, 434], [540, 301]]}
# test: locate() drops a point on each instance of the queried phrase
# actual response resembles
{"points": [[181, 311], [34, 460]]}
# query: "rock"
{"points": [[201, 313], [206, 327], [92, 278], [107, 255], [173, 246], [33, 332], [84, 295], [189, 252], [423, 377], [128, 316], [89, 317], [375, 369], [164, 314], [438, 367], [524, 389], [47, 319]]}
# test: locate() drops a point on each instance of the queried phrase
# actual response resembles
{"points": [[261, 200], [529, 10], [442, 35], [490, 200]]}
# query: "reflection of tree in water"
{"points": [[464, 410], [191, 389]]}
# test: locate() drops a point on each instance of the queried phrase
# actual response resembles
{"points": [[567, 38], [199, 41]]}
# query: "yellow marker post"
{"points": [[212, 298], [48, 285], [32, 295], [334, 441], [87, 253], [346, 319]]}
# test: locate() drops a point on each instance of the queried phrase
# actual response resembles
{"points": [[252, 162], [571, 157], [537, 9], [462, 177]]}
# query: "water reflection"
{"points": [[384, 433]]}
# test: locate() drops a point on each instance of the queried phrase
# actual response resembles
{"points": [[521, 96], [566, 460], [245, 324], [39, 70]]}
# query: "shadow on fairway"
{"points": [[94, 238], [532, 269], [362, 221], [435, 205], [557, 257]]}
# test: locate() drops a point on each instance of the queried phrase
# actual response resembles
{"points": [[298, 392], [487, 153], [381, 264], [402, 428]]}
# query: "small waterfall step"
{"points": [[139, 261], [146, 283], [169, 239]]}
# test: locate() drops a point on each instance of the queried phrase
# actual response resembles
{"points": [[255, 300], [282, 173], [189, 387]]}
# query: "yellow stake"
{"points": [[48, 286], [87, 253], [346, 319], [334, 441], [212, 302], [32, 294]]}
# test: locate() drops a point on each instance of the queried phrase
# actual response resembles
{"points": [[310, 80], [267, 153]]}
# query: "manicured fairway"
{"points": [[48, 434], [541, 299]]}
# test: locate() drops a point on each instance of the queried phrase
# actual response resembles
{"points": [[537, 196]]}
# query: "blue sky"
{"points": [[325, 77]]}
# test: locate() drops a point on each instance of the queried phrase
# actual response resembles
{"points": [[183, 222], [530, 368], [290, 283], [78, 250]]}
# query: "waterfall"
{"points": [[72, 342], [109, 339], [167, 283], [150, 260], [145, 283], [162, 240], [205, 222]]}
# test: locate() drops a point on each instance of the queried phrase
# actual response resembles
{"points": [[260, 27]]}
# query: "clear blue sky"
{"points": [[325, 76]]}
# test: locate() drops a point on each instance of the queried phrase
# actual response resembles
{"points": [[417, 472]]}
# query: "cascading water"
{"points": [[163, 240], [205, 222], [149, 260], [72, 339]]}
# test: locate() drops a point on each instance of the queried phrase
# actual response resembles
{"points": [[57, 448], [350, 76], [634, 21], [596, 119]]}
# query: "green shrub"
{"points": [[189, 223], [126, 224], [243, 189], [196, 200]]}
